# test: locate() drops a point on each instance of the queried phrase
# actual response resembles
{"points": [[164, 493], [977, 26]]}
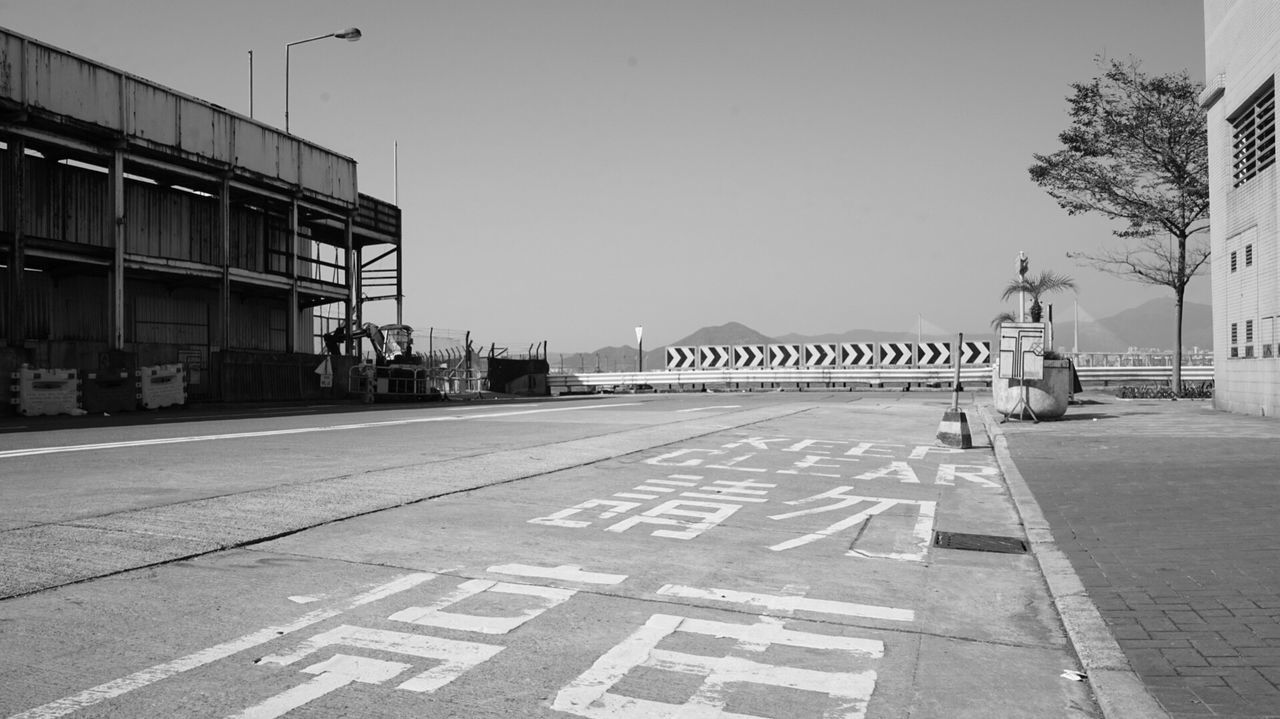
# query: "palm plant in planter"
{"points": [[1036, 286], [1046, 398]]}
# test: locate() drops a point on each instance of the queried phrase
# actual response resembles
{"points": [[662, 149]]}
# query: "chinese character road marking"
{"points": [[145, 677], [433, 616], [558, 519], [564, 572], [333, 673], [713, 514], [788, 605], [921, 532], [589, 694], [455, 657]]}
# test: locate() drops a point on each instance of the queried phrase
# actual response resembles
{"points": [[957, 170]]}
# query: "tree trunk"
{"points": [[1177, 345]]}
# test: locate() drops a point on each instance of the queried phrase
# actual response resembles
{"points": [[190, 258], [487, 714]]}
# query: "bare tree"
{"points": [[1137, 151]]}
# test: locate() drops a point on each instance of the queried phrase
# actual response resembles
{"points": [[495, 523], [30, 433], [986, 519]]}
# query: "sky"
{"points": [[571, 169]]}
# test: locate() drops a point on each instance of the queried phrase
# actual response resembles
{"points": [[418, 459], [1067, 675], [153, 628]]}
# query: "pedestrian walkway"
{"points": [[1168, 514]]}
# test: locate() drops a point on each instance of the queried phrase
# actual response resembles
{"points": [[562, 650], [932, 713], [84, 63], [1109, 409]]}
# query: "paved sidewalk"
{"points": [[1170, 515]]}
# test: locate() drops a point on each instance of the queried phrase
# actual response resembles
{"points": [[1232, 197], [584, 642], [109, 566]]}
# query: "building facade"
{"points": [[1242, 57], [142, 226]]}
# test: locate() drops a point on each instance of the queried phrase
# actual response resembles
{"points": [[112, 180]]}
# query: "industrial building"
{"points": [[141, 226], [1241, 61]]}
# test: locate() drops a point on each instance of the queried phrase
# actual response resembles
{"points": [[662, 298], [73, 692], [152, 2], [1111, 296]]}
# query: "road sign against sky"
{"points": [[570, 168]]}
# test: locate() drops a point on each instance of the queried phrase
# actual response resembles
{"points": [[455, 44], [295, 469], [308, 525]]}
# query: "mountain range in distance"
{"points": [[1147, 326]]}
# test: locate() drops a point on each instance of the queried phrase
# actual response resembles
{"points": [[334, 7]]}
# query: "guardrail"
{"points": [[844, 378]]}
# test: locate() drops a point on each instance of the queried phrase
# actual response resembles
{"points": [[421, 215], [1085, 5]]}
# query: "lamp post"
{"points": [[351, 34]]}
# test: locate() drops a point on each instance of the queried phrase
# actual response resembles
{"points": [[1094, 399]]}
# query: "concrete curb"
{"points": [[1117, 689]]}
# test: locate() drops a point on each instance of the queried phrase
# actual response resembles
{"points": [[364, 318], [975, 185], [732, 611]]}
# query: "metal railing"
{"points": [[941, 376]]}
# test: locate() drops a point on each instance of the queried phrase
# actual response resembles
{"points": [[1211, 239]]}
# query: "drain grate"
{"points": [[979, 542]]}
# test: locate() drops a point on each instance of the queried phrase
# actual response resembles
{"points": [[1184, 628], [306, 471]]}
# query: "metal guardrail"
{"points": [[871, 377]]}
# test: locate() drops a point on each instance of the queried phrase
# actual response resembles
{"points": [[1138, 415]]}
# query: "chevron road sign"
{"points": [[750, 357], [715, 356], [682, 358], [975, 353], [784, 355], [857, 354], [933, 354], [895, 354], [821, 355]]}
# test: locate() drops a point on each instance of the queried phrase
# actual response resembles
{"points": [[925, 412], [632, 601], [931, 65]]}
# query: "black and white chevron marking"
{"points": [[933, 354], [750, 357], [716, 356], [821, 355], [975, 353], [784, 355], [857, 354], [682, 358], [895, 354]]}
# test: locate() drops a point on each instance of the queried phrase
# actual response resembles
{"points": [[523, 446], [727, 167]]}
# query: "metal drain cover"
{"points": [[979, 542]]}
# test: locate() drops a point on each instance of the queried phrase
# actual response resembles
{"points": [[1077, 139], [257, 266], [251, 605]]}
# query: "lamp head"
{"points": [[351, 34]]}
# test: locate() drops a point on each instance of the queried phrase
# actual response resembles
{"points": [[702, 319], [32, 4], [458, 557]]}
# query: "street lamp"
{"points": [[351, 34]]}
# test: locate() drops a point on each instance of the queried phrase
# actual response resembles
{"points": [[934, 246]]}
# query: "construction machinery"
{"points": [[396, 372]]}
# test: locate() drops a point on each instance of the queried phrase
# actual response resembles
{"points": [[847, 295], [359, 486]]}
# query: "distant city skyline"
{"points": [[569, 170]]}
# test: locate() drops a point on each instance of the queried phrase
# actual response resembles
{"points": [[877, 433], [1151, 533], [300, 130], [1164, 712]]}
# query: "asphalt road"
{"points": [[709, 555]]}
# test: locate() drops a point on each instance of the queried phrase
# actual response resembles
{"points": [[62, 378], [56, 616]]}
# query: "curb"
{"points": [[1119, 692]]}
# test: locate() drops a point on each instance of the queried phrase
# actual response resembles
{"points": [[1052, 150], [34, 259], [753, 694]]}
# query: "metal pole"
{"points": [[251, 84], [955, 387], [286, 88]]}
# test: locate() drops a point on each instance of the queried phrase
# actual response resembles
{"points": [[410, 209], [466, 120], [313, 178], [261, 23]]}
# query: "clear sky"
{"points": [[569, 169]]}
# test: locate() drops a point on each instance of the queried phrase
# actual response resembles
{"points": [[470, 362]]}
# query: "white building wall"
{"points": [[1242, 52]]}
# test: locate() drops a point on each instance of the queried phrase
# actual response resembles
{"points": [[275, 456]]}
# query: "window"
{"points": [[1248, 255], [1253, 135], [1235, 351], [1248, 338], [1233, 260]]}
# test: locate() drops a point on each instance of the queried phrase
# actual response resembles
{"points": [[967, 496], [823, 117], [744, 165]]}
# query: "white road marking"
{"points": [[712, 514], [681, 476], [434, 615], [298, 599], [791, 604], [558, 519], [12, 453], [634, 495], [145, 677], [564, 572], [455, 657], [849, 691], [676, 482], [721, 495], [647, 488], [334, 673], [703, 409], [921, 532]]}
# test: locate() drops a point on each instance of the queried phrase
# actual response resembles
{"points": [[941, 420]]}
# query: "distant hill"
{"points": [[1147, 326]]}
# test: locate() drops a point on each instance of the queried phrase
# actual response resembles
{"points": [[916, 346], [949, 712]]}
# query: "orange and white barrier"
{"points": [[46, 391], [163, 385]]}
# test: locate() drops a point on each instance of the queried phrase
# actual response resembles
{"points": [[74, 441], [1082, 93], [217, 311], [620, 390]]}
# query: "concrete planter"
{"points": [[1047, 398]]}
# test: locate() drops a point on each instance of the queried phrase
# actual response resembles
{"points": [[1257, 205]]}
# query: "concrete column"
{"points": [[353, 274], [115, 183], [224, 243], [291, 261], [14, 203]]}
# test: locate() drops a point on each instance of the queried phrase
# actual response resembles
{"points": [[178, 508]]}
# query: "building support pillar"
{"points": [[224, 254], [353, 274], [115, 183], [291, 261], [14, 202]]}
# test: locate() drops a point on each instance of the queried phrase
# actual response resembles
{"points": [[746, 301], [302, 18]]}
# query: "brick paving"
{"points": [[1170, 515]]}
